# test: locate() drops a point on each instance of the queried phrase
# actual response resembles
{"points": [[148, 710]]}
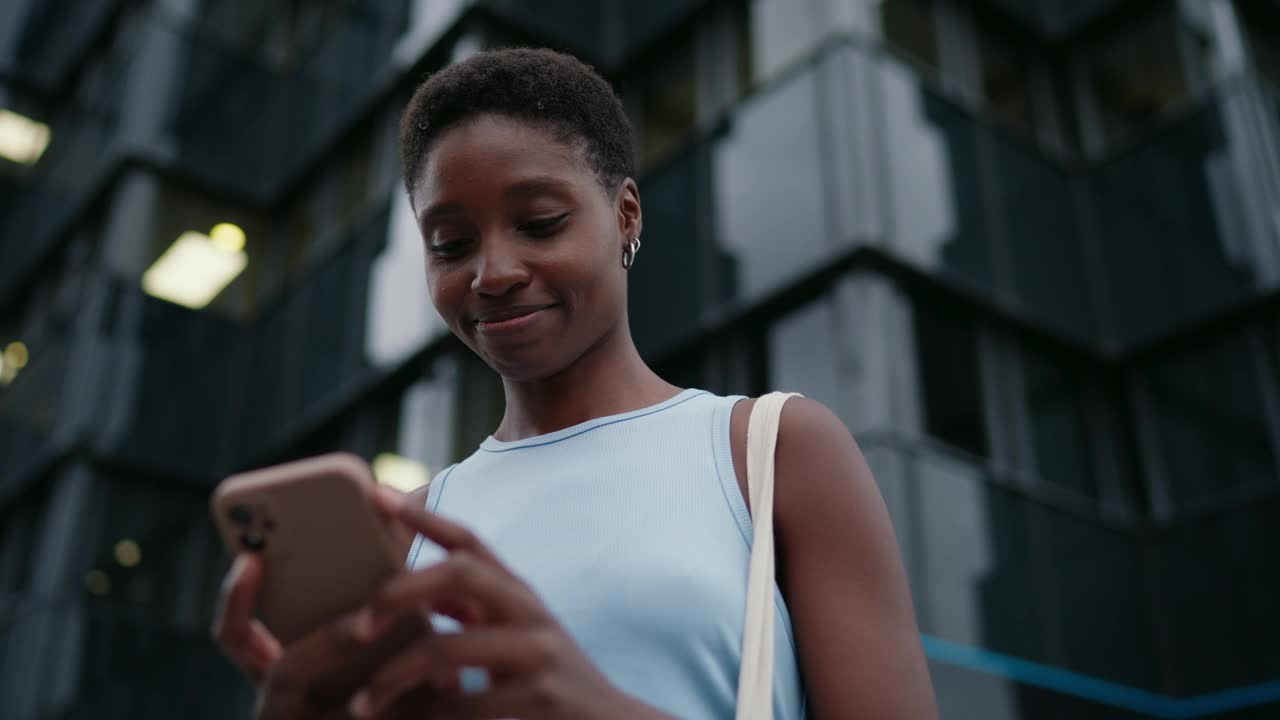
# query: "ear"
{"points": [[630, 217]]}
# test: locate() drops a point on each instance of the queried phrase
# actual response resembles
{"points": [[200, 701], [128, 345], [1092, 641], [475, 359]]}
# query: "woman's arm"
{"points": [[840, 571]]}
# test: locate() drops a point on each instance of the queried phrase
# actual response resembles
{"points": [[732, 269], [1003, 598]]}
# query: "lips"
{"points": [[509, 318]]}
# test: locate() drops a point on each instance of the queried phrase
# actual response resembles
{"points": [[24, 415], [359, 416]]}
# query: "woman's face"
{"points": [[523, 246]]}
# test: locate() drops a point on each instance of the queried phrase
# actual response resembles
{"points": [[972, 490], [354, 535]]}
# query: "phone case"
{"points": [[325, 548]]}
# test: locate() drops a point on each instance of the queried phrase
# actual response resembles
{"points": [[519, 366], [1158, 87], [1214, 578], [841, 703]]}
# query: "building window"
{"points": [[417, 433], [771, 223], [908, 26], [950, 384], [1260, 23], [1006, 80], [192, 239], [1137, 74], [18, 541], [1054, 397], [150, 549], [772, 34], [805, 357], [666, 108], [1210, 416]]}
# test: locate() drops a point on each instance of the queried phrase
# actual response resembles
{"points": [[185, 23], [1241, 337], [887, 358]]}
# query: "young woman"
{"points": [[595, 548]]}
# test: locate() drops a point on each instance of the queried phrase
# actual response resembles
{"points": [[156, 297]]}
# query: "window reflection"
{"points": [[1171, 215], [908, 26], [1211, 420], [178, 212], [667, 107], [773, 33], [804, 355], [668, 287], [768, 187], [1138, 73], [177, 552], [21, 531], [427, 20], [1096, 592], [1042, 235], [935, 202], [1054, 396], [956, 523], [1005, 79], [1260, 22], [951, 390]]}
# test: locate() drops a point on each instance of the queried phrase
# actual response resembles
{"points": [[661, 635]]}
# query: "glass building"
{"points": [[1029, 250]]}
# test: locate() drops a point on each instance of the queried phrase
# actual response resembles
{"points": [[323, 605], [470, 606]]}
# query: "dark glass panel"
{"points": [[1211, 422], [1058, 430], [909, 26], [950, 384]]}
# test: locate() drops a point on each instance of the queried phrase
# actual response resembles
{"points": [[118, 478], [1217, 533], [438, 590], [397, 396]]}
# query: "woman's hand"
{"points": [[314, 677], [535, 669]]}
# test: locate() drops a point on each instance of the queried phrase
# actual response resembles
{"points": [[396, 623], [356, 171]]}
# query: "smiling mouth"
{"points": [[510, 319]]}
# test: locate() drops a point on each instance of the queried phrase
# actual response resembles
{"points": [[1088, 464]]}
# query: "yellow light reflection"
{"points": [[15, 354], [228, 237], [22, 140], [127, 553], [97, 583], [195, 269], [399, 472]]}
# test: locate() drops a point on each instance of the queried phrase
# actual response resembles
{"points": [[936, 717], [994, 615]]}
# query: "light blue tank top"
{"points": [[632, 530]]}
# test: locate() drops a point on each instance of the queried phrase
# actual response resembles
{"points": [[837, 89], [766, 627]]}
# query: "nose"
{"points": [[499, 269]]}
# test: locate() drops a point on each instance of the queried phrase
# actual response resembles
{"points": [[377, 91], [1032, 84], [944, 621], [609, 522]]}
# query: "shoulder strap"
{"points": [[755, 674]]}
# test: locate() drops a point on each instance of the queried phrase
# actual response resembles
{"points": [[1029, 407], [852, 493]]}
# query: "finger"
{"points": [[461, 580], [245, 640], [436, 661], [263, 650], [387, 500], [502, 701], [448, 535], [421, 702], [333, 665]]}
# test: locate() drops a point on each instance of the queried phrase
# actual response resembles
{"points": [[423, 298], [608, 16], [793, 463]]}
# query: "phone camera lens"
{"points": [[240, 515], [253, 542]]}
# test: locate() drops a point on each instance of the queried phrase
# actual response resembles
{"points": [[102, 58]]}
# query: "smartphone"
{"points": [[325, 548]]}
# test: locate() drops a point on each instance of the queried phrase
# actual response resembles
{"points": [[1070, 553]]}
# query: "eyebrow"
{"points": [[537, 186], [523, 189], [438, 211]]}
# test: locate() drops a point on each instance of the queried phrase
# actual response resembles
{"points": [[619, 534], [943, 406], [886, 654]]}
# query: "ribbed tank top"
{"points": [[632, 530]]}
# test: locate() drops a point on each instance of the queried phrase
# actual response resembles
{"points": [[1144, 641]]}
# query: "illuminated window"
{"points": [[22, 140], [197, 267], [204, 254]]}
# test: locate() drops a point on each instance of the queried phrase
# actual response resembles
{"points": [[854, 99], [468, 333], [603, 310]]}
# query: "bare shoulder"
{"points": [[840, 571], [813, 443]]}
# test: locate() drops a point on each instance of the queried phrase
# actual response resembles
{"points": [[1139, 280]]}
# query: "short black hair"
{"points": [[544, 87]]}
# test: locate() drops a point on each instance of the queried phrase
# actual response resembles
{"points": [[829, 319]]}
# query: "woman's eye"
{"points": [[544, 227], [448, 249]]}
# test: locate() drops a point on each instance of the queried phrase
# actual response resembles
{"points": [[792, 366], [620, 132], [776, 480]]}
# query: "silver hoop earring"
{"points": [[629, 253]]}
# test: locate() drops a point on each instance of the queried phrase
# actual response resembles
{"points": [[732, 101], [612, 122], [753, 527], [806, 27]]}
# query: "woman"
{"points": [[602, 568]]}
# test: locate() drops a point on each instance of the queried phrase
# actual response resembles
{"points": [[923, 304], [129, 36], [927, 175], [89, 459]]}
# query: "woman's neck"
{"points": [[608, 379]]}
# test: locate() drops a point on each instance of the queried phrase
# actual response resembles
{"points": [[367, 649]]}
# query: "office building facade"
{"points": [[1028, 250]]}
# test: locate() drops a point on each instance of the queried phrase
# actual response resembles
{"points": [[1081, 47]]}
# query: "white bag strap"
{"points": [[755, 674]]}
